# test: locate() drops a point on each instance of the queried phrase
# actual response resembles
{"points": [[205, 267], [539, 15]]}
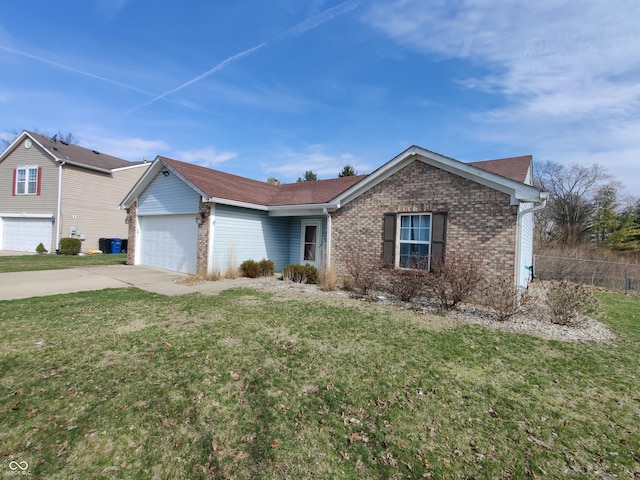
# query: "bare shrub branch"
{"points": [[505, 298], [566, 300], [363, 270], [408, 284], [453, 280]]}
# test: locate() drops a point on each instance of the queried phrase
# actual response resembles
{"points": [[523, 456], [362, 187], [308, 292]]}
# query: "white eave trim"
{"points": [[307, 209], [234, 203], [83, 165]]}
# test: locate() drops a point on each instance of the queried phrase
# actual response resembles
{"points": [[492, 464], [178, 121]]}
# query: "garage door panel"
{"points": [[24, 234], [169, 242]]}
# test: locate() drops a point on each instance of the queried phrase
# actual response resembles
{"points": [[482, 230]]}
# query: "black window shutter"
{"points": [[439, 236], [389, 240]]}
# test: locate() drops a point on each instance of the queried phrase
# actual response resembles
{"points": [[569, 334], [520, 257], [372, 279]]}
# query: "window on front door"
{"points": [[310, 243]]}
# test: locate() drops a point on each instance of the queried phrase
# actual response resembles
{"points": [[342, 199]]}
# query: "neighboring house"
{"points": [[51, 189], [189, 219]]}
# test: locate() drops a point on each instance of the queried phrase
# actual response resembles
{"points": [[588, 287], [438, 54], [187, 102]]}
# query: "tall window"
{"points": [[415, 240], [26, 181]]}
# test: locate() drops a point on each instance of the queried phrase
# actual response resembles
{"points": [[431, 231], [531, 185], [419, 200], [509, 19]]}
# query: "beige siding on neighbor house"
{"points": [[45, 203], [90, 203]]}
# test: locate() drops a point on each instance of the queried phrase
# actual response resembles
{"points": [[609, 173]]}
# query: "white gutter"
{"points": [[539, 204], [59, 209], [327, 255]]}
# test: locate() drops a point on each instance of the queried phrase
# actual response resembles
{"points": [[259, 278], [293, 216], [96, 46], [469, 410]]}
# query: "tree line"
{"points": [[586, 206]]}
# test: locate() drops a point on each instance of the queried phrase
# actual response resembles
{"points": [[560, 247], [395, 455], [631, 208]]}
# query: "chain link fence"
{"points": [[622, 277]]}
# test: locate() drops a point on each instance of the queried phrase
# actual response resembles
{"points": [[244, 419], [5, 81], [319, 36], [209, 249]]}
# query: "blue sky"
{"points": [[274, 88]]}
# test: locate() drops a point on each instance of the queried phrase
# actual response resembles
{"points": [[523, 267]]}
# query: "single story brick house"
{"points": [[187, 218]]}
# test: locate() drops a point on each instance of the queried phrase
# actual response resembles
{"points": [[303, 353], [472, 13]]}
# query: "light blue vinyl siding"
{"points": [[249, 234], [168, 195]]}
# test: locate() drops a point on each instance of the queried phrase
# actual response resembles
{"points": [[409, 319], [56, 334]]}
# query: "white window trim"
{"points": [[27, 169], [399, 241]]}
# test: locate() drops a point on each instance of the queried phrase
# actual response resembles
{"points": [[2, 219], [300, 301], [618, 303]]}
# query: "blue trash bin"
{"points": [[116, 245]]}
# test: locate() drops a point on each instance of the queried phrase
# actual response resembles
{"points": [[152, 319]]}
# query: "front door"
{"points": [[310, 242]]}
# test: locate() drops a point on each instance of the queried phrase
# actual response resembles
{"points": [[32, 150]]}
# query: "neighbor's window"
{"points": [[415, 240], [26, 181]]}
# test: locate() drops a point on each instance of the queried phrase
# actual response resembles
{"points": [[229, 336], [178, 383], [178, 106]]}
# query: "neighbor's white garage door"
{"points": [[169, 242], [24, 234]]}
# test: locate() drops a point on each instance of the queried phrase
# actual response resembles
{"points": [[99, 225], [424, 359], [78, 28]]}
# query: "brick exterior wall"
{"points": [[479, 219], [202, 259], [131, 240]]}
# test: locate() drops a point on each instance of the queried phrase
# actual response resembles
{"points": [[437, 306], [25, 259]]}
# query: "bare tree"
{"points": [[568, 217], [9, 138]]}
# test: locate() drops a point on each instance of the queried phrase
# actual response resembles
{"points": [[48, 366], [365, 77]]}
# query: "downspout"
{"points": [[327, 258], [539, 205], [59, 209]]}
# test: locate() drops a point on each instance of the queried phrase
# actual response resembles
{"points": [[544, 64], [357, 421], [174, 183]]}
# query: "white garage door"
{"points": [[24, 234], [169, 242]]}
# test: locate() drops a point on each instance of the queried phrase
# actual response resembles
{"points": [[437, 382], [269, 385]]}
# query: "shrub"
{"points": [[250, 268], [505, 298], [363, 270], [565, 300], [70, 246], [300, 273], [266, 267], [408, 284], [453, 280], [40, 248]]}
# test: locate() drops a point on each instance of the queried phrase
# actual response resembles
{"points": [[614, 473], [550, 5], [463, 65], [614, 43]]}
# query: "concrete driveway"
{"points": [[17, 285]]}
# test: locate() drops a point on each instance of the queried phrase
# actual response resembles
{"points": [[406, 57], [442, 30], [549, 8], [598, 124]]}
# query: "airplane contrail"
{"points": [[215, 69], [75, 70], [302, 27], [320, 18]]}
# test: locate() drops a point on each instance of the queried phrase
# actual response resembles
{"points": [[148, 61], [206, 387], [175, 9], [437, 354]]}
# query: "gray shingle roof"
{"points": [[81, 156]]}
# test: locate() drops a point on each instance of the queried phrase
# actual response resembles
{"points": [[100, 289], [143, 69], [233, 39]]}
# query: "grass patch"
{"points": [[28, 263], [128, 384]]}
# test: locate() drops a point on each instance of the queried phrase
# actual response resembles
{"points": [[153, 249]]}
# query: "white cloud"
{"points": [[582, 56], [566, 75], [313, 158], [207, 157]]}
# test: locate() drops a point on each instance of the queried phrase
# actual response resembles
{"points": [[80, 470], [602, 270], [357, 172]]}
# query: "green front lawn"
{"points": [[247, 384], [24, 263]]}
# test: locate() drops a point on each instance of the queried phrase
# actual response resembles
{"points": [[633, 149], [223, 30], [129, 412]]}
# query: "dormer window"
{"points": [[27, 181]]}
